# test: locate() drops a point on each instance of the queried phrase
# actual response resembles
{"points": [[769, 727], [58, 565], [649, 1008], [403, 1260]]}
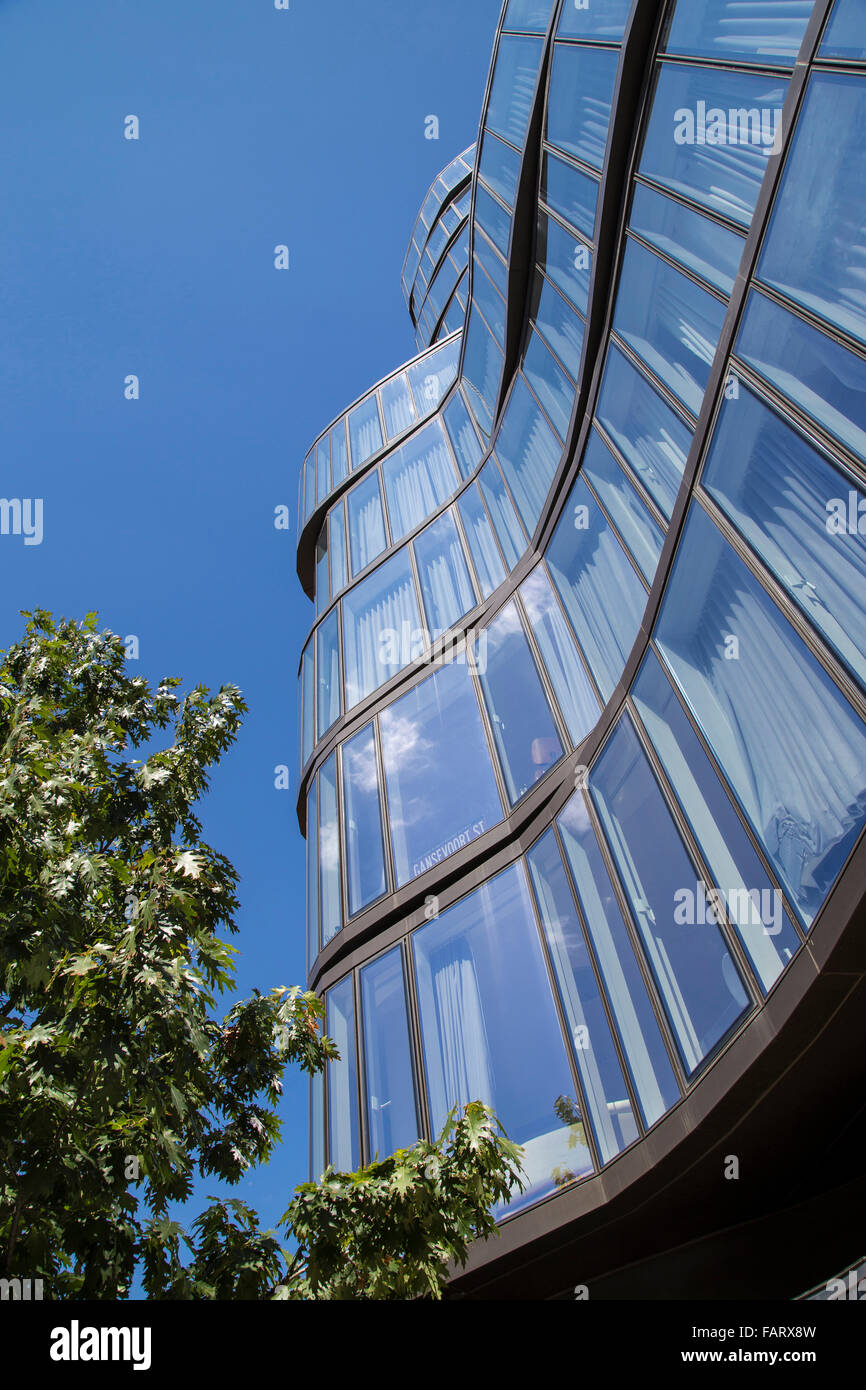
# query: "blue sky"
{"points": [[155, 257]]}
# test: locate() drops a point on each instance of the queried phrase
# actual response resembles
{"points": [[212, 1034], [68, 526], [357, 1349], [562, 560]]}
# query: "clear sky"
{"points": [[155, 257]]}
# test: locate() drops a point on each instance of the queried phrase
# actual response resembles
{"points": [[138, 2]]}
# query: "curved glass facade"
{"points": [[583, 728]]}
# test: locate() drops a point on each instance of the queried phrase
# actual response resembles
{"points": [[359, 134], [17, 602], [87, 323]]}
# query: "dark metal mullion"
{"points": [[723, 64], [728, 929], [601, 983], [638, 947]]}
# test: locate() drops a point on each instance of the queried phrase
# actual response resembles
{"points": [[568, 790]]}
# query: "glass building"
{"points": [[583, 706]]}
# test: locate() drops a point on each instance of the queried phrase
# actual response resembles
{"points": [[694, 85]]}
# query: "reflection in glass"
{"points": [[523, 726], [669, 322], [381, 627], [317, 1126], [437, 805], [602, 594], [795, 510], [651, 438], [549, 382], [323, 469], [560, 324], [471, 965], [308, 683], [598, 19], [339, 454], [703, 246], [792, 748], [312, 877], [344, 1149], [723, 172], [433, 376], [572, 686], [517, 61], [505, 519], [477, 527], [392, 1118], [604, 1086], [397, 406], [845, 36], [697, 979], [492, 217], [814, 258], [418, 478], [337, 523], [821, 376], [328, 698], [499, 167], [482, 368], [366, 523], [329, 852], [464, 440], [581, 89], [639, 1032], [570, 192], [446, 587], [762, 31], [528, 452], [365, 854], [365, 431], [636, 527], [565, 259], [752, 903]]}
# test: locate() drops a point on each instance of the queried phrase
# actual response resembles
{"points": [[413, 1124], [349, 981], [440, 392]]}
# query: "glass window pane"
{"points": [[312, 878], [551, 385], [634, 1016], [565, 259], [698, 243], [365, 854], [328, 697], [482, 368], [489, 568], [796, 510], [577, 699], [366, 523], [845, 36], [339, 454], [651, 438], [471, 964], [697, 979], [418, 478], [381, 626], [594, 19], [523, 727], [337, 523], [818, 374], [322, 581], [446, 587], [816, 243], [308, 681], [499, 167], [437, 804], [561, 325], [323, 469], [317, 1126], [505, 519], [365, 431], [527, 15], [602, 594], [711, 133], [581, 90], [309, 485], [494, 266], [487, 298], [762, 31], [344, 1149], [570, 192], [398, 406], [528, 452], [754, 906], [464, 440], [433, 376], [669, 322], [392, 1117], [792, 748], [604, 1086], [636, 527], [492, 216], [517, 63], [329, 852]]}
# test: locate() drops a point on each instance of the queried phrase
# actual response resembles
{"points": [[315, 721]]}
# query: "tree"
{"points": [[118, 1085]]}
